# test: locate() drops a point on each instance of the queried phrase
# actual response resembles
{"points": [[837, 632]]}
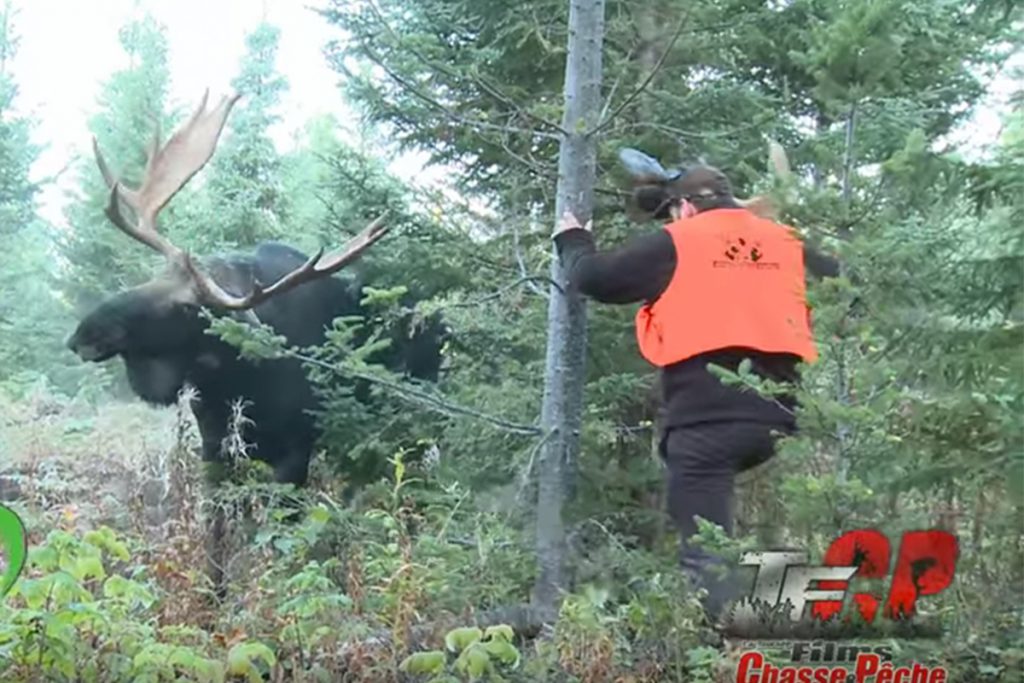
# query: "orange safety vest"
{"points": [[739, 282]]}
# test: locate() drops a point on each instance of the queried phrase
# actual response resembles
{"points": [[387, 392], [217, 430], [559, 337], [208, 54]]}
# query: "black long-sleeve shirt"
{"points": [[638, 272]]}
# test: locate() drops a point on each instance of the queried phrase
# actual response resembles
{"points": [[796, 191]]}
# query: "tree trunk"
{"points": [[842, 372], [565, 363]]}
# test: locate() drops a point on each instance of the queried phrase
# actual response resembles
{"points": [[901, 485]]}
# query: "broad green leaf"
{"points": [[320, 514], [88, 567], [473, 661], [431, 662], [503, 631], [459, 639], [504, 651], [242, 657]]}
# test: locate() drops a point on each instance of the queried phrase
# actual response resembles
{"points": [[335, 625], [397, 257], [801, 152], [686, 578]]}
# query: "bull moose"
{"points": [[159, 332]]}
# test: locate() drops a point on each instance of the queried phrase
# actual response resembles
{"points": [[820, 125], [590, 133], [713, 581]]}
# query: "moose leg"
{"points": [[293, 468]]}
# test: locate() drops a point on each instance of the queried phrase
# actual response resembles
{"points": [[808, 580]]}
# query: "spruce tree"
{"points": [[132, 108]]}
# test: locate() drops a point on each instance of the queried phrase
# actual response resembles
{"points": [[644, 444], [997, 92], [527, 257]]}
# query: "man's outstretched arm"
{"points": [[638, 271], [641, 270]]}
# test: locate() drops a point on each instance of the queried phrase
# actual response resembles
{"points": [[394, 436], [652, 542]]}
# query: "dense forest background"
{"points": [[423, 498]]}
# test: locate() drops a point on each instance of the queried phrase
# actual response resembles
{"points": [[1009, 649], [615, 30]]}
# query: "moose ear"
{"points": [[642, 168]]}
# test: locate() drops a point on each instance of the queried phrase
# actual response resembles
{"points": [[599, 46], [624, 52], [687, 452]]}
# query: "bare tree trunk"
{"points": [[565, 364]]}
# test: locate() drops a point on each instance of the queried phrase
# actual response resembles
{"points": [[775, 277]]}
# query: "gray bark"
{"points": [[842, 375], [566, 360]]}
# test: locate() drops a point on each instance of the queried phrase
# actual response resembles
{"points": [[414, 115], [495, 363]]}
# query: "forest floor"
{"points": [[78, 462]]}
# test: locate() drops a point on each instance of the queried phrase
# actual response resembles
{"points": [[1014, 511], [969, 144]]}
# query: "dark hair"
{"points": [[654, 200]]}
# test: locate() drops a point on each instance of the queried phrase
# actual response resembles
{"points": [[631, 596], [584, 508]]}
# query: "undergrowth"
{"points": [[407, 582], [386, 588]]}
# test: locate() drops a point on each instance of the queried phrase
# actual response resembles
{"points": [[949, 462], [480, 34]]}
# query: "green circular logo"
{"points": [[13, 546]]}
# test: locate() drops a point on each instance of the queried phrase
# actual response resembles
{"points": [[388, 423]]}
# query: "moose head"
{"points": [[655, 189], [156, 327]]}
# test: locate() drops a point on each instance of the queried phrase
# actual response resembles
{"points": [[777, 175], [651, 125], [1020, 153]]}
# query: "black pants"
{"points": [[703, 461]]}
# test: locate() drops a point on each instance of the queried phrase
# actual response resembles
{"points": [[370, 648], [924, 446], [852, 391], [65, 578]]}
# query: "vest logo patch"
{"points": [[743, 253]]}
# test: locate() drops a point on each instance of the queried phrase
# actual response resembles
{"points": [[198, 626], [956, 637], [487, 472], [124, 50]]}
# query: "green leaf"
{"points": [[88, 567], [473, 661], [241, 659], [320, 514], [104, 538], [45, 558], [459, 639], [431, 662], [33, 591], [503, 631], [504, 651]]}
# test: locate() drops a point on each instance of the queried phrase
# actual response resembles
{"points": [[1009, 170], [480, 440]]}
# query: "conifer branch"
{"points": [[420, 396]]}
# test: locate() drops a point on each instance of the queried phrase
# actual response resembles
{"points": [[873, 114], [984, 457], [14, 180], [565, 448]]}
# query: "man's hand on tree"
{"points": [[570, 222]]}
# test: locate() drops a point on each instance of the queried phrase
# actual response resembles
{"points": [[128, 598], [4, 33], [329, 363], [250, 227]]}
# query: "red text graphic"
{"points": [[869, 668]]}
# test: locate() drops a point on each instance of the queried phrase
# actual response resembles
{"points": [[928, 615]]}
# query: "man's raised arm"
{"points": [[638, 271]]}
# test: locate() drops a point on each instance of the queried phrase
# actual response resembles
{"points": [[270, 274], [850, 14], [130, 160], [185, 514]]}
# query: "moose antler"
{"points": [[304, 273], [168, 169], [764, 205]]}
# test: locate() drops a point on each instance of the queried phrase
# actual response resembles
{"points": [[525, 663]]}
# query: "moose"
{"points": [[159, 331]]}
